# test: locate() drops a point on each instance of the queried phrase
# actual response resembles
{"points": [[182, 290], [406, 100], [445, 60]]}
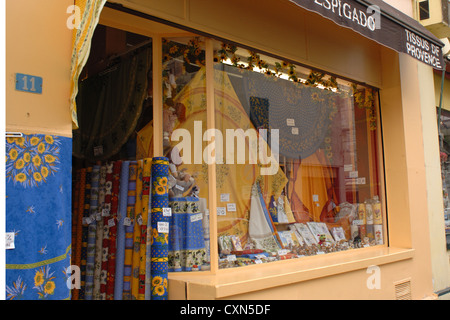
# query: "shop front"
{"points": [[249, 150]]}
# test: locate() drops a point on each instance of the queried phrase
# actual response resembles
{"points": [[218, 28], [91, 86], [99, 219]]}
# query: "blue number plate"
{"points": [[28, 83]]}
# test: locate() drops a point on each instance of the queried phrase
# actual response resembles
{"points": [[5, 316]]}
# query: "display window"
{"points": [[194, 155]]}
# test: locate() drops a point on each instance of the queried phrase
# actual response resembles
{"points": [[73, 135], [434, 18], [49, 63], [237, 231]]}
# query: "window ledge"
{"points": [[233, 281]]}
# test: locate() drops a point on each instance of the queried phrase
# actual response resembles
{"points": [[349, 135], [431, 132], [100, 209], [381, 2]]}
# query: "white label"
{"points": [[224, 197], [127, 221], [105, 212], [179, 187], [257, 261], [348, 167], [290, 122], [353, 174], [221, 211], [9, 244], [167, 212], [231, 257], [283, 252], [361, 180], [111, 222], [294, 131], [140, 221], [163, 227], [315, 197], [231, 207], [358, 222], [196, 217]]}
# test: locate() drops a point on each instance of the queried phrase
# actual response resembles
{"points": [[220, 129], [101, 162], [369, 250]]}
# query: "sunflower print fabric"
{"points": [[38, 212]]}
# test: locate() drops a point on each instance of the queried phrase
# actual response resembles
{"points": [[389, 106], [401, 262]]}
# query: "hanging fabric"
{"points": [[187, 249], [38, 182], [81, 43], [84, 233], [110, 105]]}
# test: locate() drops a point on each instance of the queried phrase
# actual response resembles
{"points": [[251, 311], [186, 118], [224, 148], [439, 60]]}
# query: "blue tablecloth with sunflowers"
{"points": [[38, 213]]}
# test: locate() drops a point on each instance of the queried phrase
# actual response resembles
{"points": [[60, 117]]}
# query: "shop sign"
{"points": [[400, 33]]}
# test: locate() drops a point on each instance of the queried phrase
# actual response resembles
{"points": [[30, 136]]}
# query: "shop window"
{"points": [[299, 173], [296, 152]]}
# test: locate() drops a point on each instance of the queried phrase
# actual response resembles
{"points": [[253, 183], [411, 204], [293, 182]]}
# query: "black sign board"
{"points": [[382, 23]]}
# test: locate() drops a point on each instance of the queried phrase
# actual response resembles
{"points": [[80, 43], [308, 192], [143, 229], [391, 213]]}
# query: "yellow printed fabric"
{"points": [[236, 180], [146, 173], [89, 11]]}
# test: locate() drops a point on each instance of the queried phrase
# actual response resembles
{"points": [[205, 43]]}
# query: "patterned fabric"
{"points": [[38, 213], [84, 233], [260, 228], [92, 232], [79, 224], [137, 232], [81, 42], [146, 173], [160, 228], [292, 105], [99, 234], [186, 243], [121, 214], [129, 230], [112, 222]]}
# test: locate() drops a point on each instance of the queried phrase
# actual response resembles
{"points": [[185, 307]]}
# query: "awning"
{"points": [[382, 23]]}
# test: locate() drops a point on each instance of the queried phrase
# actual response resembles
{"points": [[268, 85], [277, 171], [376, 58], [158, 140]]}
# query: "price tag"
{"points": [[231, 207], [111, 222], [140, 221], [290, 122], [9, 244], [127, 221], [221, 211], [224, 197], [163, 227], [167, 212], [105, 212], [294, 131], [196, 217], [179, 187]]}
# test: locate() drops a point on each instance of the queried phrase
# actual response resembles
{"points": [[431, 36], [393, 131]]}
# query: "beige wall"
{"points": [[39, 44]]}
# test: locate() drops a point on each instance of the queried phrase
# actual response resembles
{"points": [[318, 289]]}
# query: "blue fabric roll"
{"points": [[160, 229], [120, 253]]}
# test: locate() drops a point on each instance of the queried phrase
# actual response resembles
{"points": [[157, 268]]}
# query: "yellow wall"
{"points": [[39, 44]]}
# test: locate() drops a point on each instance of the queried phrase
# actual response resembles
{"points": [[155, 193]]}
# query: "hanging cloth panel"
{"points": [[110, 105], [89, 11], [38, 184]]}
